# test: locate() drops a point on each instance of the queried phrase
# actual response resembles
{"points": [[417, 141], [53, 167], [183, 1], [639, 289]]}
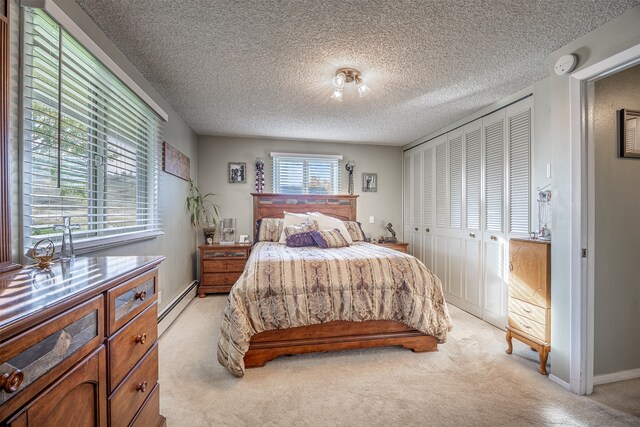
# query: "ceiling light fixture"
{"points": [[348, 75]]}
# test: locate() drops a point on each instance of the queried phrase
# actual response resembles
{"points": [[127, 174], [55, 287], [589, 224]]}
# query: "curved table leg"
{"points": [[509, 343]]}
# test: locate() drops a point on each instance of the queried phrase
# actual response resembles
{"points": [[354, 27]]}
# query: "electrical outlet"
{"points": [[371, 220], [159, 297]]}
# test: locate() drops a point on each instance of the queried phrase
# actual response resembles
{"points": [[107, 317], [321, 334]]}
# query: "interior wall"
{"points": [[617, 233], [235, 199], [178, 244], [605, 41]]}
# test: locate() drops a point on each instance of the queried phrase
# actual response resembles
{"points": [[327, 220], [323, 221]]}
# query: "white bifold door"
{"points": [[466, 193]]}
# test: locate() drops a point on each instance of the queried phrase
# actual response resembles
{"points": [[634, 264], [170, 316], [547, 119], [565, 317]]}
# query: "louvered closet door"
{"points": [[472, 280], [493, 227], [455, 243], [407, 205], [415, 248], [441, 211], [519, 183], [428, 205]]}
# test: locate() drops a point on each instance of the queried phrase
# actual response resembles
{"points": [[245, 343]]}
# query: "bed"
{"points": [[303, 300]]}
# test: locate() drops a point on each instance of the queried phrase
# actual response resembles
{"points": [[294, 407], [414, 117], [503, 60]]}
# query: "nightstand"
{"points": [[398, 246], [221, 266]]}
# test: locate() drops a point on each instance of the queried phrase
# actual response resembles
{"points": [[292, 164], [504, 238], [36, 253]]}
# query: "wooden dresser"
{"points": [[398, 246], [530, 296], [221, 266], [78, 344]]}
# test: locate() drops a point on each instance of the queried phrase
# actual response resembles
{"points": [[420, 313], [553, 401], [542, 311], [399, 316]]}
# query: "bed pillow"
{"points": [[326, 222], [269, 229], [329, 238], [305, 227], [355, 231], [291, 219], [300, 240]]}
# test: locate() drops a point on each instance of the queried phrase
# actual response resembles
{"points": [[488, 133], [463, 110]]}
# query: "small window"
{"points": [[90, 144], [305, 173]]}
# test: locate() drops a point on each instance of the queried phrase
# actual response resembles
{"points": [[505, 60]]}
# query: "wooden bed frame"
{"points": [[331, 336]]}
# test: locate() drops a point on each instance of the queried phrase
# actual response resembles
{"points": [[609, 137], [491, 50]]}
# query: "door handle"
{"points": [[427, 229], [472, 235], [416, 229], [493, 237]]}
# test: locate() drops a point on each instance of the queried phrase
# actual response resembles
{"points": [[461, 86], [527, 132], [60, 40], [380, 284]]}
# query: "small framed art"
{"points": [[369, 182], [237, 172]]}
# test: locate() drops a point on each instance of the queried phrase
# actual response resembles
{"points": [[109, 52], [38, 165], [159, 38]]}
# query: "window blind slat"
{"points": [[305, 174]]}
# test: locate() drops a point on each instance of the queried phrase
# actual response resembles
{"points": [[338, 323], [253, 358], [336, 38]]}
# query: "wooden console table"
{"points": [[78, 344]]}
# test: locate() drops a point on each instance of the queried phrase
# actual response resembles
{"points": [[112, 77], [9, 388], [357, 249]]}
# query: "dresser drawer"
{"points": [[148, 415], [223, 266], [223, 254], [220, 278], [130, 298], [529, 311], [529, 327], [529, 273], [128, 346], [34, 359], [125, 402]]}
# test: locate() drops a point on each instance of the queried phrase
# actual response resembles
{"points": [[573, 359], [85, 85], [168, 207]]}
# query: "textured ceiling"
{"points": [[264, 67]]}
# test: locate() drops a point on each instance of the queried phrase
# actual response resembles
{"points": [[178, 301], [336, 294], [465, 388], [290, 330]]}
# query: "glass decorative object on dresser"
{"points": [[544, 222], [228, 231]]}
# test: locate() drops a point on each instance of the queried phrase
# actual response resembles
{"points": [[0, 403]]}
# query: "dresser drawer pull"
{"points": [[11, 382], [510, 266], [526, 310], [526, 326], [141, 339], [142, 387], [140, 295]]}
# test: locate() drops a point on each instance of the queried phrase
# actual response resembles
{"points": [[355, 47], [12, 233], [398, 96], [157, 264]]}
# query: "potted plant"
{"points": [[200, 207]]}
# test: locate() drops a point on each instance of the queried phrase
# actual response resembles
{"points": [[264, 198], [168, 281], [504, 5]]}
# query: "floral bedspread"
{"points": [[283, 287]]}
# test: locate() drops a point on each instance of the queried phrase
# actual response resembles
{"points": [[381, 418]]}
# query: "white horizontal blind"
{"points": [[519, 165], [305, 174], [494, 180], [472, 147], [427, 192], [441, 185], [455, 182], [90, 144]]}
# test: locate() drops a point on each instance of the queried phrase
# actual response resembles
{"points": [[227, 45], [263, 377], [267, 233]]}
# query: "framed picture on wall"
{"points": [[370, 182], [237, 172]]}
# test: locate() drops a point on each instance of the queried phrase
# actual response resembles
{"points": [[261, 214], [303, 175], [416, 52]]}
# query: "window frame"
{"points": [[306, 159]]}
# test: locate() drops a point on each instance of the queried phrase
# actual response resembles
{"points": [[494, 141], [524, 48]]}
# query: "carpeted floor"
{"points": [[470, 381]]}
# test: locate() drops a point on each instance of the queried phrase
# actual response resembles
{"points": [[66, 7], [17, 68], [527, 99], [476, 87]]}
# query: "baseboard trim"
{"points": [[560, 382], [616, 376], [175, 307]]}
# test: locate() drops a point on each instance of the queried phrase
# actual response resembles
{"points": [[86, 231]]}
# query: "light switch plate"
{"points": [[371, 220]]}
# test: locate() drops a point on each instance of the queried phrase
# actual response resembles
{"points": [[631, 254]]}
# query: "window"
{"points": [[305, 173], [90, 144]]}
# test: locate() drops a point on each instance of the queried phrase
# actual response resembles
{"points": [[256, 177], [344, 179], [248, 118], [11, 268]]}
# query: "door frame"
{"points": [[582, 229]]}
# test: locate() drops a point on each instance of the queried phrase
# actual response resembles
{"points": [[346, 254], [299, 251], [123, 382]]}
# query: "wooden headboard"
{"points": [[270, 205]]}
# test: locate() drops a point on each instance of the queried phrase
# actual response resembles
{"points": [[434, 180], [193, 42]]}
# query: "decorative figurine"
{"points": [[43, 252], [259, 175], [350, 167], [391, 239], [66, 252]]}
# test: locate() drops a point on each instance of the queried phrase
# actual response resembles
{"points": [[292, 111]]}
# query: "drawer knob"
{"points": [[141, 339], [11, 382], [140, 295], [142, 387]]}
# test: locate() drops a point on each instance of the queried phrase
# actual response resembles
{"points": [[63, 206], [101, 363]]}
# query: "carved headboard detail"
{"points": [[270, 205]]}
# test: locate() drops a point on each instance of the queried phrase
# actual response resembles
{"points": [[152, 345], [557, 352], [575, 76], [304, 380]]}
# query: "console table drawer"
{"points": [[128, 346], [31, 361], [130, 298], [132, 393], [148, 415]]}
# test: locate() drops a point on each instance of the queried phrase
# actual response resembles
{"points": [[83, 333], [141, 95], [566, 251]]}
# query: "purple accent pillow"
{"points": [[300, 240], [329, 238]]}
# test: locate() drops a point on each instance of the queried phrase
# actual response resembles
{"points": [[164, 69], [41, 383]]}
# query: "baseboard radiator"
{"points": [[169, 313]]}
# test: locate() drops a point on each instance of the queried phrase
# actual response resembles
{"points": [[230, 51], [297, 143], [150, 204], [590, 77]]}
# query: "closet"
{"points": [[466, 193]]}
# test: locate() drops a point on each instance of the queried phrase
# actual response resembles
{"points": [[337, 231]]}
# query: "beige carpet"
{"points": [[470, 381]]}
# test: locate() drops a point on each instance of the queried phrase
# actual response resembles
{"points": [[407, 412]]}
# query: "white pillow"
{"points": [[326, 222], [291, 219]]}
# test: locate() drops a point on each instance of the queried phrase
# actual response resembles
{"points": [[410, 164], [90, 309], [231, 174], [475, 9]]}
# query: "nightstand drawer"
{"points": [[130, 298], [223, 266], [529, 327], [131, 343], [529, 311], [208, 255], [220, 278], [132, 393]]}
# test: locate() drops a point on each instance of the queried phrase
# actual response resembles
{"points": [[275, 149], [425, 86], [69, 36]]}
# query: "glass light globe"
{"points": [[339, 80], [363, 89], [337, 94]]}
